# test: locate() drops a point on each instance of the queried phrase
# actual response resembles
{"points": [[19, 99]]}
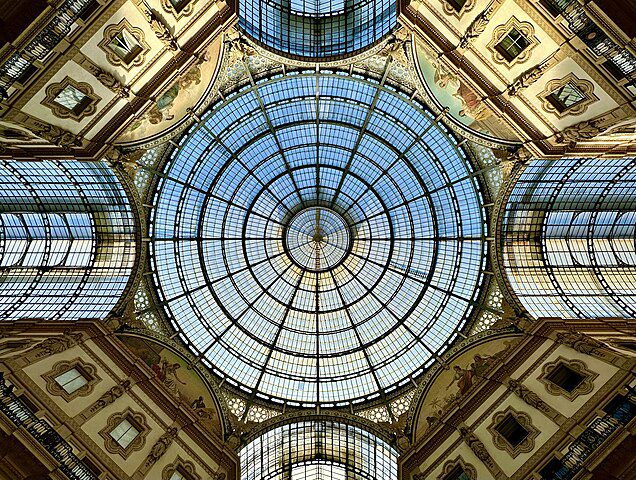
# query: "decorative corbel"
{"points": [[479, 449], [477, 26], [128, 162], [158, 26], [585, 130], [108, 80], [530, 76], [55, 135]]}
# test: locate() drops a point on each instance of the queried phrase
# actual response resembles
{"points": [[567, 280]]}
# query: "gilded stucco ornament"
{"points": [[160, 28], [581, 343], [53, 345], [530, 76], [109, 81], [585, 130], [110, 395], [161, 446], [477, 26], [56, 135], [128, 161], [476, 445]]}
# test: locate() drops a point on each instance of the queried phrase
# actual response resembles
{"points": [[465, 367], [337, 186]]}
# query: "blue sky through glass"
{"points": [[399, 206]]}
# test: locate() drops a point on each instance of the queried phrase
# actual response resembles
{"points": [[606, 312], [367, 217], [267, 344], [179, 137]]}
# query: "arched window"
{"points": [[318, 450], [66, 240], [569, 238]]}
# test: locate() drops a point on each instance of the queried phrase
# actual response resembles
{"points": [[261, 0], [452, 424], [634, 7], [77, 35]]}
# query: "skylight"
{"points": [[317, 239]]}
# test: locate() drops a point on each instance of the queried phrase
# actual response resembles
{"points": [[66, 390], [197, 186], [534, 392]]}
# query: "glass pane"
{"points": [[70, 97], [124, 433], [125, 46], [326, 303], [318, 471], [177, 476], [71, 380], [568, 95]]}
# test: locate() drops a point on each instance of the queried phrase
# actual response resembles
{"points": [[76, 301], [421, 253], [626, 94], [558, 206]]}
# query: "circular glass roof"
{"points": [[318, 239]]}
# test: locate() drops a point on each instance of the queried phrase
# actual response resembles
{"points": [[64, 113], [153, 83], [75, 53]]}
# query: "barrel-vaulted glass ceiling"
{"points": [[317, 28], [318, 239]]}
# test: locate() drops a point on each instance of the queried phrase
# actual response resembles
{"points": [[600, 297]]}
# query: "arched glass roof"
{"points": [[317, 28], [318, 239], [569, 238], [67, 242], [318, 450]]}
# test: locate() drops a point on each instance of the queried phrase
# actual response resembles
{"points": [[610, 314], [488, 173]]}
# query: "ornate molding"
{"points": [[585, 86], [111, 32], [184, 466], [87, 370], [478, 448], [185, 11], [160, 28], [585, 387], [450, 10], [160, 447], [55, 135], [532, 399], [468, 469], [585, 130], [108, 80], [61, 111], [477, 26], [525, 28], [138, 420], [52, 345], [530, 76], [108, 397], [582, 343], [526, 445]]}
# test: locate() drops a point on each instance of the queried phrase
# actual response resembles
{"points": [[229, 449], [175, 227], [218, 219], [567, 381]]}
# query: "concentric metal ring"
{"points": [[318, 311], [317, 239]]}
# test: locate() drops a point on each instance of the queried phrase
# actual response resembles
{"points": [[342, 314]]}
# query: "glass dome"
{"points": [[318, 239]]}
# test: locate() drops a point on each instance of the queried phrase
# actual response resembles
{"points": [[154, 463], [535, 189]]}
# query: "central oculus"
{"points": [[317, 239]]}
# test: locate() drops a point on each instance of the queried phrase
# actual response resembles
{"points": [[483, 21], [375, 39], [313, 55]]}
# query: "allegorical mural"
{"points": [[462, 101], [181, 381], [452, 384], [172, 103]]}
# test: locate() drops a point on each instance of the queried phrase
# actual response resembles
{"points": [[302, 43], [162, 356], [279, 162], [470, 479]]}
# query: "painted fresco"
{"points": [[172, 103], [463, 103], [456, 382], [182, 382]]}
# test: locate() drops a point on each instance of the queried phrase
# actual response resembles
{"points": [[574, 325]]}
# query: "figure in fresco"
{"points": [[167, 373], [464, 379], [481, 364], [472, 105], [198, 403]]}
